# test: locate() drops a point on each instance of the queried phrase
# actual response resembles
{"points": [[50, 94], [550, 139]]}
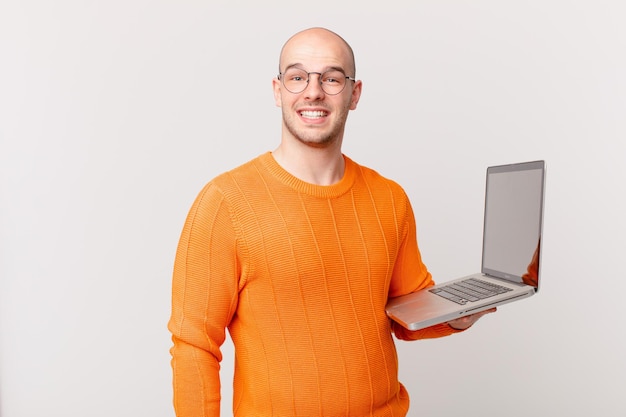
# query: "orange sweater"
{"points": [[300, 275]]}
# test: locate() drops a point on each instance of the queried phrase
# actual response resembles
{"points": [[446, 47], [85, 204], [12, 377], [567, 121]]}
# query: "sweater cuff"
{"points": [[438, 330]]}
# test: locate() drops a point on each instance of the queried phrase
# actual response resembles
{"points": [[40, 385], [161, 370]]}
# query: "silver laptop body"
{"points": [[511, 254]]}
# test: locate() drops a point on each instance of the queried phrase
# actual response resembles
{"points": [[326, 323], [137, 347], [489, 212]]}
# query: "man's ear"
{"points": [[356, 94], [277, 93]]}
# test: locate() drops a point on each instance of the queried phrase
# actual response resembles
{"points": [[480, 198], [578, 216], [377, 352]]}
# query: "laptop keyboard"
{"points": [[469, 290]]}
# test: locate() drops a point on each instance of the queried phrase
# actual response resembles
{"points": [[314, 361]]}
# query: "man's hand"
{"points": [[467, 321]]}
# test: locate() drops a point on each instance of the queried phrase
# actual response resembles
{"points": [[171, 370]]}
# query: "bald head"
{"points": [[317, 43]]}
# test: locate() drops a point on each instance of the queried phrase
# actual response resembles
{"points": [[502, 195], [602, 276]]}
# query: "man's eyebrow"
{"points": [[329, 68], [297, 65]]}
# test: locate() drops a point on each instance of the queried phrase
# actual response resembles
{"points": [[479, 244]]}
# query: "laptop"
{"points": [[511, 253]]}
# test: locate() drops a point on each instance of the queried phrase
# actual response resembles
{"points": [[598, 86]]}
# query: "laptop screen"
{"points": [[513, 221]]}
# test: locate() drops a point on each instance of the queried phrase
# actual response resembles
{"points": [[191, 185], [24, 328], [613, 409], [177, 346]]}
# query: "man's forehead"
{"points": [[327, 52]]}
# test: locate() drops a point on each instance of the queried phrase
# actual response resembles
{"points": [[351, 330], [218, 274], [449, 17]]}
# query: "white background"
{"points": [[113, 115]]}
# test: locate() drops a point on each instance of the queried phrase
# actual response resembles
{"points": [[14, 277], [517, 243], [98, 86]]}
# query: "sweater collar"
{"points": [[321, 191]]}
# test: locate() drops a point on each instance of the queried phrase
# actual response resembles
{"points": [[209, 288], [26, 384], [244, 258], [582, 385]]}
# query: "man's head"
{"points": [[322, 34], [315, 112]]}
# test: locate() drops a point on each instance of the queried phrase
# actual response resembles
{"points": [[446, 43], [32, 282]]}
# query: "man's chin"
{"points": [[317, 142], [314, 137]]}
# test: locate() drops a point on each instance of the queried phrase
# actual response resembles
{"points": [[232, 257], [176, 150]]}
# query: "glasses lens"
{"points": [[333, 82], [296, 80]]}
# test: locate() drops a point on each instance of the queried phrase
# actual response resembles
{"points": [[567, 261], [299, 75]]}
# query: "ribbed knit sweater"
{"points": [[299, 274]]}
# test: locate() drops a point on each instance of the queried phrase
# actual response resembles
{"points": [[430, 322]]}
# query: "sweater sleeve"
{"points": [[410, 275], [204, 296]]}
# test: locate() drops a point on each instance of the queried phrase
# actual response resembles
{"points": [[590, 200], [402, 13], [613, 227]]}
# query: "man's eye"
{"points": [[332, 78]]}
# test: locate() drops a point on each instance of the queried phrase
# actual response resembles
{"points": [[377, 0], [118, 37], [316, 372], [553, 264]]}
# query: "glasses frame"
{"points": [[308, 78]]}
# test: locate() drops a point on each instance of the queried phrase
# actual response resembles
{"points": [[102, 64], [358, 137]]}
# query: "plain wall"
{"points": [[113, 115]]}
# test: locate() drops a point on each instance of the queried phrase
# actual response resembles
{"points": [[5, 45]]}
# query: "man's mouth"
{"points": [[313, 114]]}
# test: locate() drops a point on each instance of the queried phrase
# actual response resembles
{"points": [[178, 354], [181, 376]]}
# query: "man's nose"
{"points": [[313, 88]]}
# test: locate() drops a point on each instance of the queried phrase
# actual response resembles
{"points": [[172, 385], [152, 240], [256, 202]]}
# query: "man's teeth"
{"points": [[312, 114]]}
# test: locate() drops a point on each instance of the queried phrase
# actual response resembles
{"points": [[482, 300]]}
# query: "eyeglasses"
{"points": [[332, 82]]}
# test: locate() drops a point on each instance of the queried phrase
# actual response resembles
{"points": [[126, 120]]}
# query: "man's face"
{"points": [[312, 116]]}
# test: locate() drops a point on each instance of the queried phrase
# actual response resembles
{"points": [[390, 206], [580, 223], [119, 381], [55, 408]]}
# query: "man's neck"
{"points": [[319, 166]]}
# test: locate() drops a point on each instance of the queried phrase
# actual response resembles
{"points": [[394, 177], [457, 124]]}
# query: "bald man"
{"points": [[296, 253]]}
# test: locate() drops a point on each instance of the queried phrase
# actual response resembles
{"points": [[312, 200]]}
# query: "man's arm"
{"points": [[410, 275], [204, 296]]}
